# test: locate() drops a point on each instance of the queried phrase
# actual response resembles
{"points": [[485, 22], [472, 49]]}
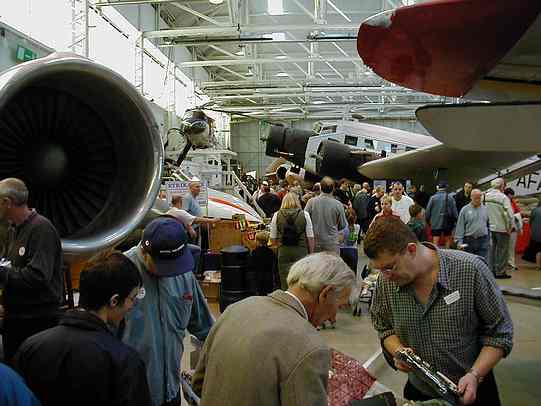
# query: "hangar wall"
{"points": [[10, 39]]}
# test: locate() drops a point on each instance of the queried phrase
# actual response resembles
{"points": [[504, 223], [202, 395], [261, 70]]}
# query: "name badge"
{"points": [[452, 298]]}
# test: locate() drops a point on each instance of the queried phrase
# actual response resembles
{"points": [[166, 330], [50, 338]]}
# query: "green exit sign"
{"points": [[25, 54]]}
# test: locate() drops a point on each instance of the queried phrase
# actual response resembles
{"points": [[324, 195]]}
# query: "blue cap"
{"points": [[166, 241]]}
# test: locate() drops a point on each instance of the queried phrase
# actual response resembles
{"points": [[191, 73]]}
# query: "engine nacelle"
{"points": [[86, 144], [316, 155]]}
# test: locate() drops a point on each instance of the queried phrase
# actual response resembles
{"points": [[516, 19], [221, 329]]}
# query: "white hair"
{"points": [[497, 183], [15, 190], [313, 272]]}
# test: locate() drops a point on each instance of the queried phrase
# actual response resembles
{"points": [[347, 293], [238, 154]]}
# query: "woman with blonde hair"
{"points": [[292, 231]]}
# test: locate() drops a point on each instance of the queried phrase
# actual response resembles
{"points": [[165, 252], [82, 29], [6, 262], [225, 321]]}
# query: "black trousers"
{"points": [[16, 330], [487, 392]]}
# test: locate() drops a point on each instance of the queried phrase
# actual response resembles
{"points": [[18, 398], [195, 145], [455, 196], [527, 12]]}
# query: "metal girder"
{"points": [[308, 93], [253, 84], [256, 40], [358, 106], [100, 3], [198, 14], [231, 62], [306, 11], [338, 10], [234, 30]]}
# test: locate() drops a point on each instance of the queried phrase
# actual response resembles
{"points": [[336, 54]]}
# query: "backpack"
{"points": [[290, 235]]}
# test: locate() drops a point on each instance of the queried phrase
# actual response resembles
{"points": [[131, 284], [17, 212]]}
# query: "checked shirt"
{"points": [[447, 336]]}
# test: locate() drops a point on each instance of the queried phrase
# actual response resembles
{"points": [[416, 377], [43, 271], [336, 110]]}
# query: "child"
{"points": [[386, 209], [416, 223], [263, 261]]}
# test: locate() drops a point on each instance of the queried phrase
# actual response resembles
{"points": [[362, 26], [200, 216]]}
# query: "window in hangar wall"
{"points": [[50, 23]]}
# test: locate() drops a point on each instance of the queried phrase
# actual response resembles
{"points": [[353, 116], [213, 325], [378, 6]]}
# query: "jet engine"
{"points": [[86, 144], [317, 156]]}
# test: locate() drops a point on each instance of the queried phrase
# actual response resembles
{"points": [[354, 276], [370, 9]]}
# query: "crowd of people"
{"points": [[123, 343]]}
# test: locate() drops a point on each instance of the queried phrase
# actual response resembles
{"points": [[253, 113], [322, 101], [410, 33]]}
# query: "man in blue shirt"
{"points": [[173, 303], [472, 232], [190, 203], [14, 391]]}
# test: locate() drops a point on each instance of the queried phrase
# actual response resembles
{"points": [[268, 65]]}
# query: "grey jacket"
{"points": [[500, 211], [262, 351]]}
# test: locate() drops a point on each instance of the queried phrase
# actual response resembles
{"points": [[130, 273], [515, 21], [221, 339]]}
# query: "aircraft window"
{"points": [[409, 149], [394, 148], [350, 140], [368, 143], [383, 146]]}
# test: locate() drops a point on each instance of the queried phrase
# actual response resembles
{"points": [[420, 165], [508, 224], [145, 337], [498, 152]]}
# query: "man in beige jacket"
{"points": [[266, 351]]}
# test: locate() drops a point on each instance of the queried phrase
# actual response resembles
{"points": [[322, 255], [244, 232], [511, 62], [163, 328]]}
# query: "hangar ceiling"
{"points": [[283, 59]]}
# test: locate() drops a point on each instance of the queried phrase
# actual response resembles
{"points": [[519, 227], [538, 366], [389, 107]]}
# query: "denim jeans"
{"points": [[477, 246]]}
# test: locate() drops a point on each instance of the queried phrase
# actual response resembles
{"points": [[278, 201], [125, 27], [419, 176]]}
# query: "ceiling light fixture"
{"points": [[281, 57], [216, 1], [282, 74], [240, 52], [249, 73]]}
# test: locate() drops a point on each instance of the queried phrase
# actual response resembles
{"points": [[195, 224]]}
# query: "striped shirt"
{"points": [[465, 311]]}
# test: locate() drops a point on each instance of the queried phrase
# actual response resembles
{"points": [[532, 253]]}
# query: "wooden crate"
{"points": [[211, 290], [224, 234]]}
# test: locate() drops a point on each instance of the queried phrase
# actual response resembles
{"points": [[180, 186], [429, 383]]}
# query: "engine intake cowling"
{"points": [[86, 144]]}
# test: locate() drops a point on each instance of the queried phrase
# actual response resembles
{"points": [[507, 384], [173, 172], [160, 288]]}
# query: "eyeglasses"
{"points": [[393, 267]]}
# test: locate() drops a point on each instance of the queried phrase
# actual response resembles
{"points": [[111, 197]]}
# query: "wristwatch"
{"points": [[477, 375]]}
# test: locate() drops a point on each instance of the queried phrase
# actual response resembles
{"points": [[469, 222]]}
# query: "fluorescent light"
{"points": [[281, 57], [216, 1], [278, 36], [319, 102], [275, 7], [282, 74]]}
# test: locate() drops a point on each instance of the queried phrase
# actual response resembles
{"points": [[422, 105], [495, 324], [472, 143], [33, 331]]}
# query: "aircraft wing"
{"points": [[420, 165], [485, 126], [446, 47]]}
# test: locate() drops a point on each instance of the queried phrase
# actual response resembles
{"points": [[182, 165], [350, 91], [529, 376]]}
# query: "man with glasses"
{"points": [[444, 305], [31, 273], [81, 362], [173, 303]]}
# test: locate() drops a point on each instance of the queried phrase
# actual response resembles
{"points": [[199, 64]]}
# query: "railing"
{"points": [[246, 196]]}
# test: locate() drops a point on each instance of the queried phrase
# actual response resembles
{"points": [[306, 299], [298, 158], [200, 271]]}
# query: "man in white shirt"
{"points": [[401, 203], [186, 218]]}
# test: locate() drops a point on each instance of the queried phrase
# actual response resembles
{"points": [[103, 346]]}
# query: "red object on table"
{"points": [[348, 380], [523, 239]]}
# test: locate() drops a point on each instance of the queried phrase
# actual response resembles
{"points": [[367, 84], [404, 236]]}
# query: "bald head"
{"points": [[15, 190], [498, 183], [476, 196]]}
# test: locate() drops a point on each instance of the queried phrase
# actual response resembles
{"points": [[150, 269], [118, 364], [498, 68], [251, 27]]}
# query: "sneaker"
{"points": [[503, 276]]}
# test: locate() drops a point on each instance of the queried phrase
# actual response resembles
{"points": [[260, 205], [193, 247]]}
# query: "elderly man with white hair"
{"points": [[500, 216], [266, 351]]}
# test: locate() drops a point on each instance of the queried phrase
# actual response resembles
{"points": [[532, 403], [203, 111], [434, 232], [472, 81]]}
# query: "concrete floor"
{"points": [[517, 376]]}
